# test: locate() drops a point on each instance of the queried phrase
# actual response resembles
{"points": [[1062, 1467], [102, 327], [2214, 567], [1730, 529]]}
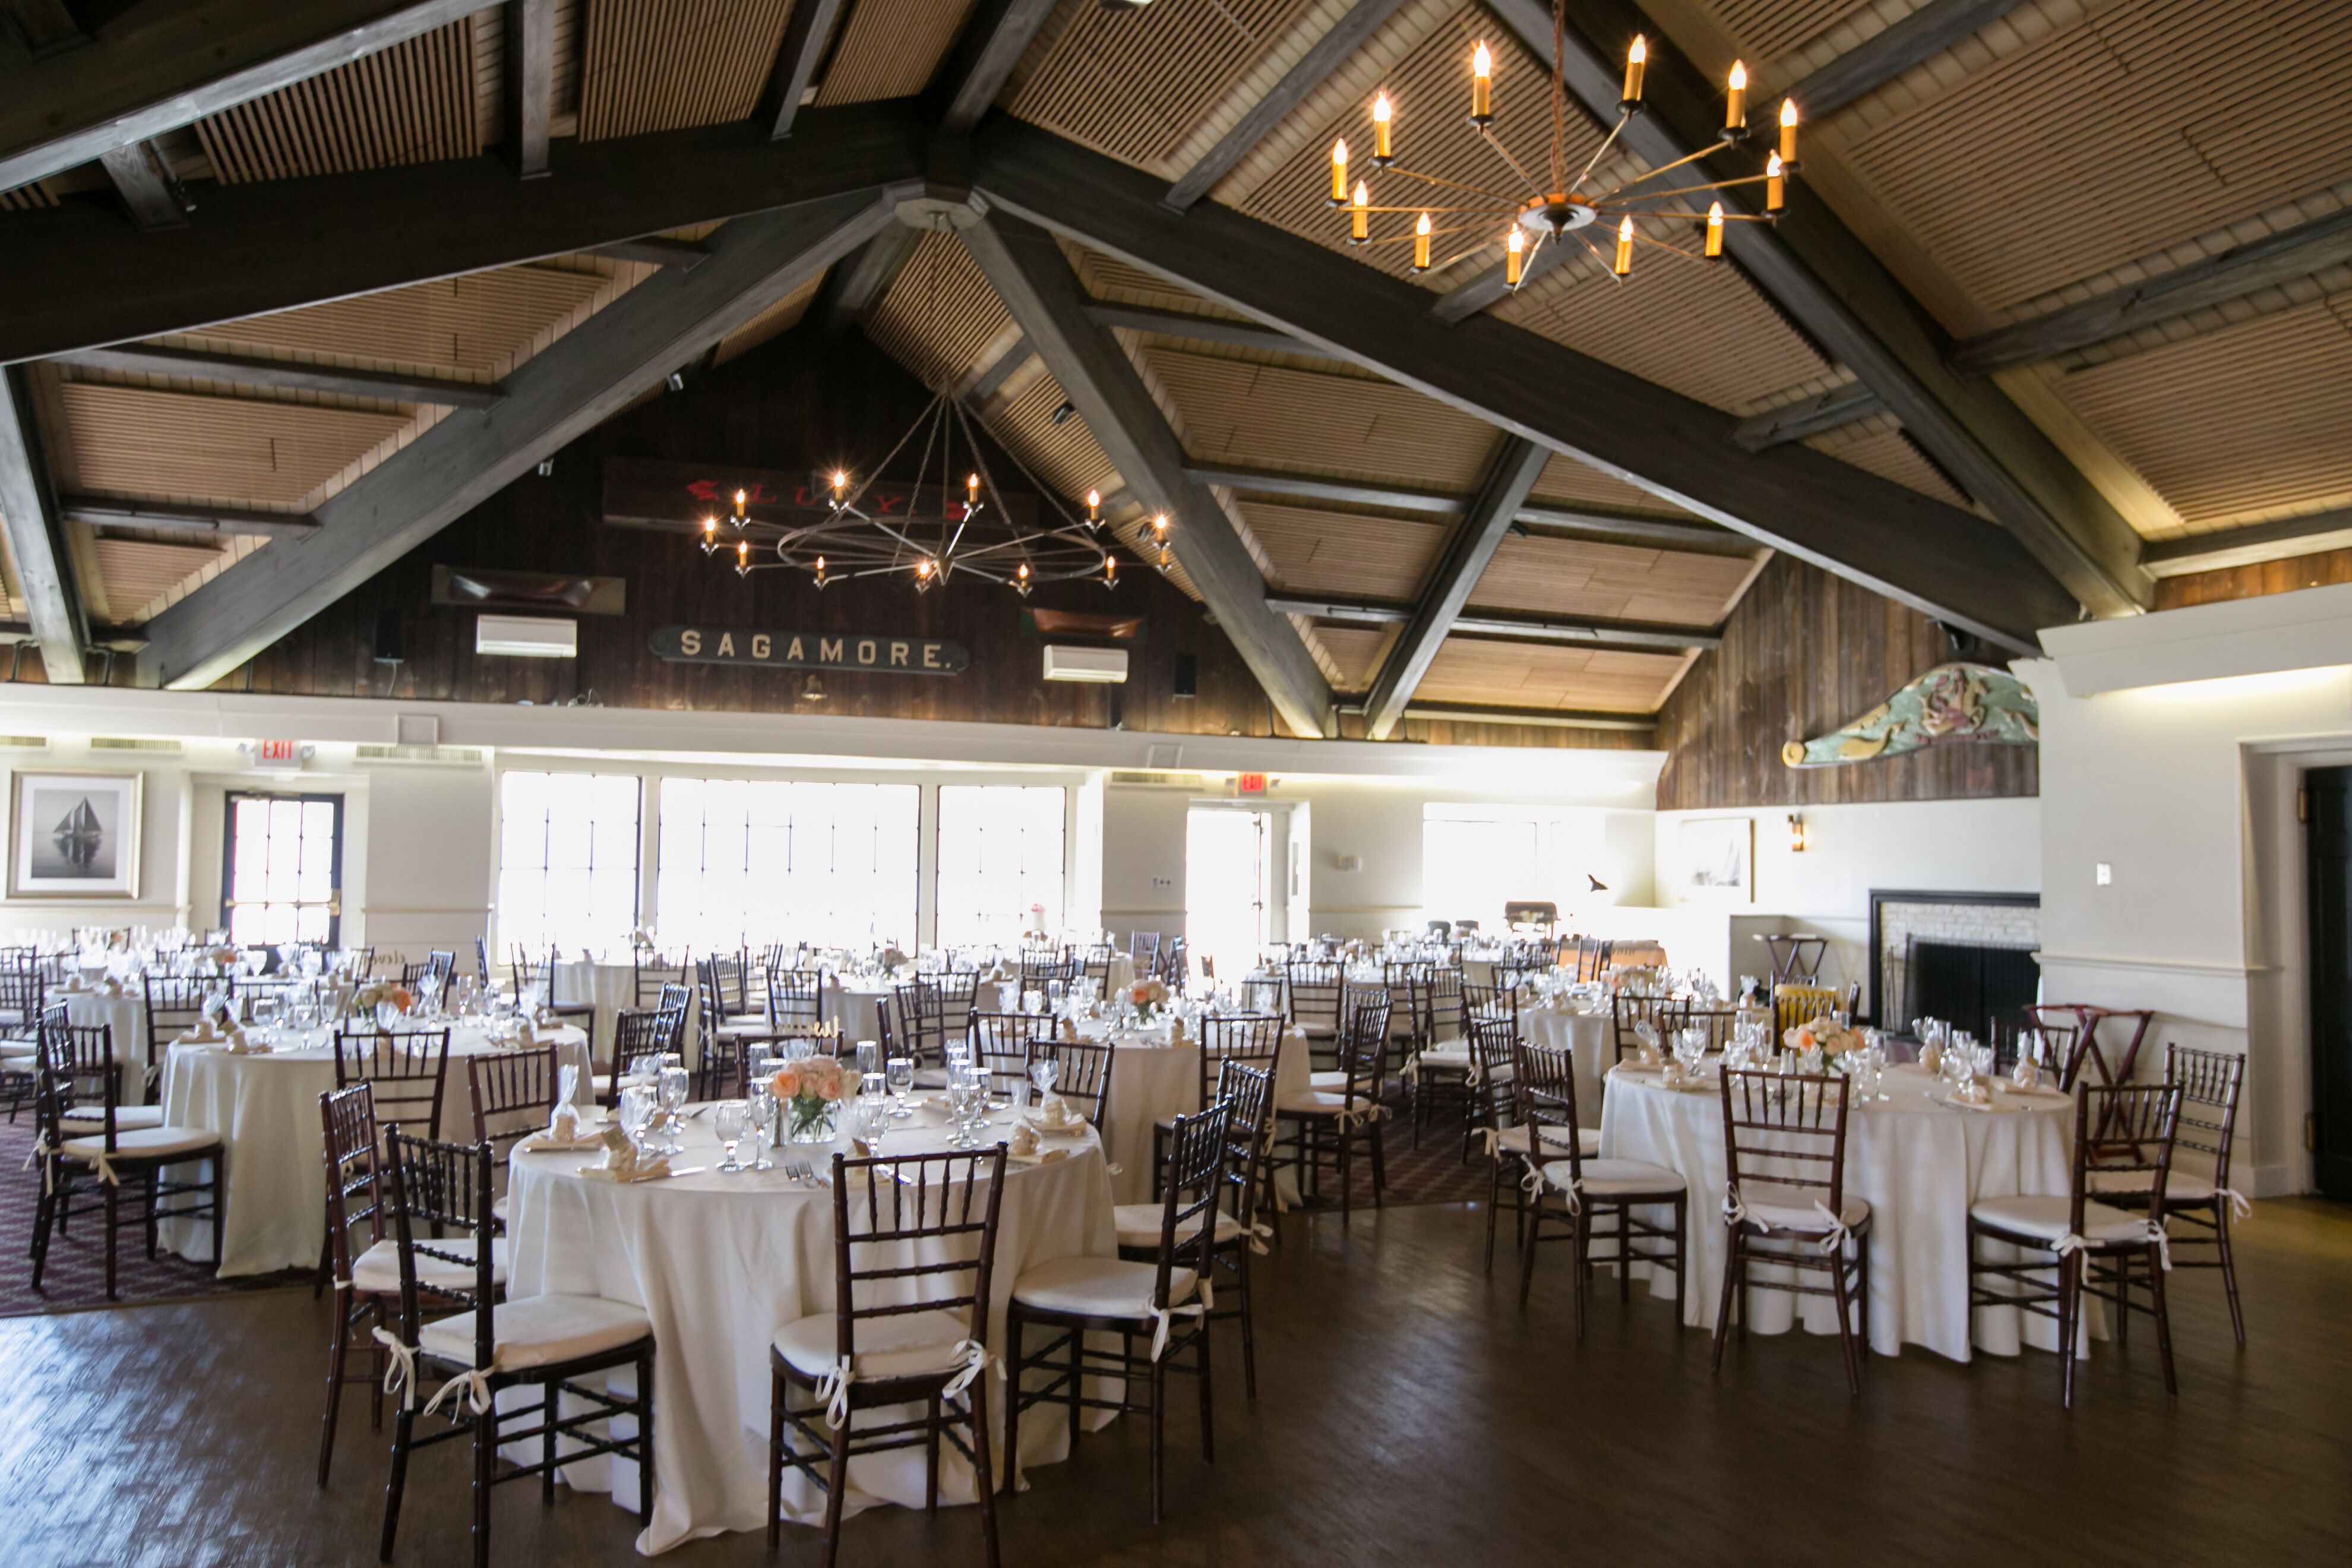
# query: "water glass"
{"points": [[672, 1100], [728, 1119], [899, 1075], [869, 1058], [767, 1113]]}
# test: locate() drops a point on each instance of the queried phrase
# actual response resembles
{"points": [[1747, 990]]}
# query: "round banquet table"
{"points": [[1592, 1039], [266, 1109], [1151, 1080], [126, 1015], [720, 1262], [607, 987], [1920, 1164]]}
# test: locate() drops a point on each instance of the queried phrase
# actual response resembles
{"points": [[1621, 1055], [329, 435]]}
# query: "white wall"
{"points": [[1966, 845]]}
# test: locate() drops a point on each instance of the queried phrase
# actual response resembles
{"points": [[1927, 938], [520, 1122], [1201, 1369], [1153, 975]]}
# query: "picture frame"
{"points": [[73, 835], [1715, 859]]}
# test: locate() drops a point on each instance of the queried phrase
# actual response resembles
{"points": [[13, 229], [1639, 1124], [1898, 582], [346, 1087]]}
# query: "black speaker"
{"points": [[390, 645], [1187, 680]]}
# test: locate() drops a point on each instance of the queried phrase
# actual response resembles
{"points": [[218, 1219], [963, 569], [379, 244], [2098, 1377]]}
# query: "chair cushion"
{"points": [[1454, 1054], [13, 1049], [539, 1331], [1514, 1141], [1796, 1208], [912, 1346], [377, 1271], [2045, 1218], [1616, 1178], [126, 1118], [1139, 1225], [145, 1144], [2179, 1186], [1320, 1102], [1098, 1288]]}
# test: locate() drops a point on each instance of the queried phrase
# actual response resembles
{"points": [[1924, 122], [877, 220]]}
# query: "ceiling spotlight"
{"points": [[677, 381], [547, 467], [1062, 416]]}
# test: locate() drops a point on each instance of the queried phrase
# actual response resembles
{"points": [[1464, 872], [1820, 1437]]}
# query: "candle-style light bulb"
{"points": [[1338, 171], [1159, 523], [1714, 232], [1110, 570], [1382, 111], [1094, 506], [1635, 59], [970, 494], [840, 483], [742, 556], [1788, 132], [1735, 103], [1482, 85], [1776, 183], [1623, 265], [1420, 244], [1359, 215], [1515, 245]]}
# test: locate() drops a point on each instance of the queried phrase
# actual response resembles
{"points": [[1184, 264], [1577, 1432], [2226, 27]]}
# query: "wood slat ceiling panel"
{"points": [[1266, 416], [1109, 278], [1134, 84], [167, 446], [411, 103], [1356, 653], [2114, 138], [1521, 675], [1317, 551], [1885, 451], [1770, 28], [2237, 424], [1621, 582], [28, 198], [1567, 482], [775, 320], [890, 49], [939, 313], [461, 326], [654, 65], [135, 573]]}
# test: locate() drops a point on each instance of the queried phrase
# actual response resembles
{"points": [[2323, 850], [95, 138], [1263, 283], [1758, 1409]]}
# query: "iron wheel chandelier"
{"points": [[1559, 210], [929, 531]]}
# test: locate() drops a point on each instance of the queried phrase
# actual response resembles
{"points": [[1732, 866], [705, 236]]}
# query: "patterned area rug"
{"points": [[76, 1275], [1434, 1174]]}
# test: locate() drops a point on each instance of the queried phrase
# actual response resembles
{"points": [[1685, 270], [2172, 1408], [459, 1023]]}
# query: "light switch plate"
{"points": [[2107, 873]]}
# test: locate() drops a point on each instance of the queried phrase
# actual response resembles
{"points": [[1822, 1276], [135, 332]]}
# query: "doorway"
{"points": [[2327, 851], [282, 869], [1228, 884]]}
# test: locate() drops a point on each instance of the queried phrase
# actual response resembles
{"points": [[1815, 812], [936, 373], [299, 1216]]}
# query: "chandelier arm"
{"points": [[1504, 152], [1450, 185], [1641, 238], [1460, 255], [1488, 211], [1707, 151], [1559, 94], [1434, 234], [849, 502], [1623, 117], [1043, 492], [1690, 189]]}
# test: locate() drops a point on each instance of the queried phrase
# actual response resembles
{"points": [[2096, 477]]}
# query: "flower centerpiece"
{"points": [[1147, 997], [1833, 1040], [810, 1091], [376, 992]]}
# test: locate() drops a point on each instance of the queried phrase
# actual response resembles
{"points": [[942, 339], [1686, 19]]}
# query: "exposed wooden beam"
{"points": [[653, 250], [1557, 521], [1030, 274], [997, 372], [807, 34], [1889, 52], [557, 394], [169, 63], [1495, 627], [150, 192], [2251, 544], [246, 370], [994, 41], [1828, 282], [857, 285], [166, 517], [530, 84], [1511, 474], [1310, 486], [1200, 328], [1315, 66], [1831, 410], [78, 277], [1604, 526], [37, 537], [1541, 717], [1937, 558], [2261, 263]]}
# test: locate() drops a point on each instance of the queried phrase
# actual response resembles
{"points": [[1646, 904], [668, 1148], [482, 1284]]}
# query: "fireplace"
{"points": [[1964, 957]]}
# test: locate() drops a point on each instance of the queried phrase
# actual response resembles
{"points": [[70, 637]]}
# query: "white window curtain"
{"points": [[1001, 854], [752, 861], [567, 861]]}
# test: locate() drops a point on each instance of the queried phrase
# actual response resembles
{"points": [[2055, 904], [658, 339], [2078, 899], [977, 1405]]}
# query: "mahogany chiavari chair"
{"points": [[513, 1093], [1039, 968], [1175, 966], [1000, 1044], [795, 998], [172, 1003], [409, 1068], [1539, 1134], [2123, 1137], [2197, 1193], [1630, 1014], [635, 1033], [1785, 1203], [1312, 991], [914, 1251], [1094, 963], [1081, 1076], [1144, 946], [1578, 1192], [564, 1346], [1592, 960], [22, 989], [1249, 1039], [1439, 1071], [1327, 1124], [1718, 1022], [1158, 1301], [926, 1015]]}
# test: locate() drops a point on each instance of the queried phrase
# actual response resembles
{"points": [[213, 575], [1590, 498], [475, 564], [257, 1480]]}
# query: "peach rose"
{"points": [[786, 1084]]}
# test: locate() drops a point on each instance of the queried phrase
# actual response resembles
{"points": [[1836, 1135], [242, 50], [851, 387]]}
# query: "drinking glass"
{"points": [[673, 1100], [869, 1058], [899, 1074], [726, 1119], [765, 1113]]}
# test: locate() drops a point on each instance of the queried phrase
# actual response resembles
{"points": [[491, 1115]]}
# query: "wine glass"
{"points": [[672, 1100], [762, 1115], [898, 1073], [728, 1119]]}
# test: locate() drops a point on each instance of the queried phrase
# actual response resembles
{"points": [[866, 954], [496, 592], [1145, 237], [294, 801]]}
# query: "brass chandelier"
{"points": [[1558, 208]]}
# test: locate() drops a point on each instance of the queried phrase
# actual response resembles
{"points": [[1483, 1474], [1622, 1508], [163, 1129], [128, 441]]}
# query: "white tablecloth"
{"points": [[1920, 1164], [720, 1263], [1150, 1080], [126, 1016], [608, 987], [1590, 1035], [266, 1109]]}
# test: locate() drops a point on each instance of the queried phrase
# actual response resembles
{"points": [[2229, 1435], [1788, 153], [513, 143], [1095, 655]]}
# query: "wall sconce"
{"points": [[1796, 833]]}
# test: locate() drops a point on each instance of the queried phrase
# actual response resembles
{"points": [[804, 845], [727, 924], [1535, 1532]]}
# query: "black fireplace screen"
{"points": [[1965, 985]]}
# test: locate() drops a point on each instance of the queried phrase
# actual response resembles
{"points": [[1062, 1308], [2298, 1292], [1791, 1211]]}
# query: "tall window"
{"points": [[1476, 858], [1000, 855], [567, 859], [761, 860], [282, 877]]}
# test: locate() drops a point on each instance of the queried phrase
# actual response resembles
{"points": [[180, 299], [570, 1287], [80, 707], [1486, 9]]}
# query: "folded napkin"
{"points": [[204, 1032], [546, 1019], [1069, 1030], [1976, 1093], [73, 985], [622, 1163], [240, 1045]]}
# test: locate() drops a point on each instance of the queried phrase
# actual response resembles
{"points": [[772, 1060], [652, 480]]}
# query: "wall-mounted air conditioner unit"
{"points": [[1104, 666], [526, 637]]}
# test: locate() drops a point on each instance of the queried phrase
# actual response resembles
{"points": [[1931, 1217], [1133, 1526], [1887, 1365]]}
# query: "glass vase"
{"points": [[811, 1120]]}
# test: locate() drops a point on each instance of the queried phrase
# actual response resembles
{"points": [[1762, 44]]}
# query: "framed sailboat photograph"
{"points": [[74, 835]]}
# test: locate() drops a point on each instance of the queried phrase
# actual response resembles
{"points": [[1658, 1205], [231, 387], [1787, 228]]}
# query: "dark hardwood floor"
{"points": [[1408, 1413]]}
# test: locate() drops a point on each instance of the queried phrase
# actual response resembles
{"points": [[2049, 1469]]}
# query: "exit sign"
{"points": [[286, 754], [1250, 784]]}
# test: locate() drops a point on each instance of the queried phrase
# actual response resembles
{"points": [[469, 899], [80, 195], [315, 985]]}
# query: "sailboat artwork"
{"points": [[78, 836], [75, 835]]}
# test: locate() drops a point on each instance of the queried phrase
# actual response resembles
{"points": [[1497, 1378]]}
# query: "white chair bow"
{"points": [[834, 1389], [1733, 1211], [400, 1377], [2240, 1209], [107, 1173], [1162, 1316], [1258, 1232], [1834, 1240], [976, 1361], [476, 1384], [41, 1152]]}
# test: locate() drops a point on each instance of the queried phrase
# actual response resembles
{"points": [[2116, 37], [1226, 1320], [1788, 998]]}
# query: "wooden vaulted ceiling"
{"points": [[2056, 153]]}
